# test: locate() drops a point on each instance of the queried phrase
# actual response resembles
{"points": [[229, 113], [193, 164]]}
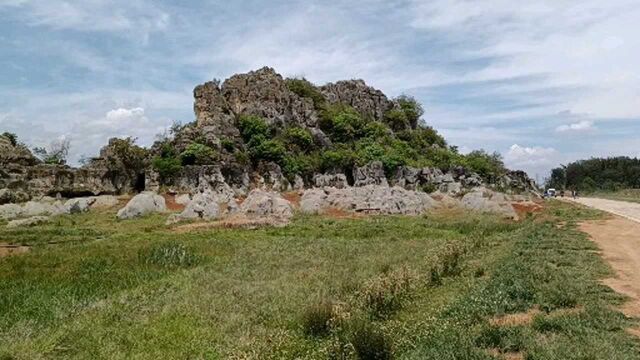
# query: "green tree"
{"points": [[198, 154]]}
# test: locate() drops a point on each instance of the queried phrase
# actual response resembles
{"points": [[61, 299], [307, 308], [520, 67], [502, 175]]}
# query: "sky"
{"points": [[543, 83]]}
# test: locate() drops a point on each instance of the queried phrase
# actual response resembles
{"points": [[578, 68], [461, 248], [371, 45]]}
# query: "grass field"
{"points": [[447, 286], [632, 195]]}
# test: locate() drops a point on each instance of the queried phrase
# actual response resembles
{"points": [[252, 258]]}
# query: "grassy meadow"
{"points": [[444, 286]]}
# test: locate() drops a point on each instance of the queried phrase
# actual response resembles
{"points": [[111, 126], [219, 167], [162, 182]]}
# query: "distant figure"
{"points": [[576, 195]]}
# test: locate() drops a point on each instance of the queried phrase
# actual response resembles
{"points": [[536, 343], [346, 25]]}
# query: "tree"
{"points": [[13, 138], [56, 153], [412, 109]]}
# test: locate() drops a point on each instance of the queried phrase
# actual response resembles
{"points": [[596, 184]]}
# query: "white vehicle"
{"points": [[551, 192]]}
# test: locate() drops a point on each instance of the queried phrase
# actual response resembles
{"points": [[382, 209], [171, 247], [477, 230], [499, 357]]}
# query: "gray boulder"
{"points": [[261, 203], [372, 199], [78, 205], [313, 201], [183, 199], [35, 208], [142, 204], [485, 200], [104, 202], [298, 183], [35, 220], [10, 211], [451, 188], [203, 206]]}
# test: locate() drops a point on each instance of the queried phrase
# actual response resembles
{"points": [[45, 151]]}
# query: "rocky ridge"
{"points": [[122, 168]]}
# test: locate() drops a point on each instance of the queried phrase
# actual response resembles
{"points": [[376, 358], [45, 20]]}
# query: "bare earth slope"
{"points": [[619, 239]]}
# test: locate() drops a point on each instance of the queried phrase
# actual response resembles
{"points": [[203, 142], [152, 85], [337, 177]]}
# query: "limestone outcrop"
{"points": [[142, 204], [368, 199]]}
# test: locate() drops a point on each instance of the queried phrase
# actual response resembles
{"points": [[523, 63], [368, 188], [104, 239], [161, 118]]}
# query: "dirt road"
{"points": [[625, 209], [619, 239]]}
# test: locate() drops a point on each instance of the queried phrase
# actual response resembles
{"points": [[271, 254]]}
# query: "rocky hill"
{"points": [[260, 130]]}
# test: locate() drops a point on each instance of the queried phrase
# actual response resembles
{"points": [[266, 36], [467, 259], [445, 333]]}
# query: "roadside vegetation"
{"points": [[445, 286], [598, 175]]}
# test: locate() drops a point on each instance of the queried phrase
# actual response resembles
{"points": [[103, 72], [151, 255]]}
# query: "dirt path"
{"points": [[619, 240], [625, 209]]}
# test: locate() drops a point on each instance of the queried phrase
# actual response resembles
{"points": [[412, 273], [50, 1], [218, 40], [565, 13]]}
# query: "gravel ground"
{"points": [[625, 209]]}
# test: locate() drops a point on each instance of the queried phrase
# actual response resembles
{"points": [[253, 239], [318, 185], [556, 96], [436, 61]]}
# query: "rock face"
{"points": [[142, 204], [32, 221], [330, 180], [485, 200], [368, 101], [371, 174], [207, 178], [15, 154], [369, 199], [22, 176], [261, 203]]}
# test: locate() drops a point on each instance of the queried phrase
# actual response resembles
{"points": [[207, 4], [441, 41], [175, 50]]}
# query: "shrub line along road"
{"points": [[619, 239]]}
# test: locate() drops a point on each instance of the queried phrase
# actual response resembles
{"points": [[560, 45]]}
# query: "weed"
{"points": [[370, 343], [167, 255], [505, 339], [316, 320], [384, 295]]}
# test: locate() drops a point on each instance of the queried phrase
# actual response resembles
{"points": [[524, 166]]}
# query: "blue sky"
{"points": [[542, 83]]}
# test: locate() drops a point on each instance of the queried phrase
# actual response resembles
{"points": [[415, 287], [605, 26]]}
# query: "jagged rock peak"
{"points": [[265, 93]]}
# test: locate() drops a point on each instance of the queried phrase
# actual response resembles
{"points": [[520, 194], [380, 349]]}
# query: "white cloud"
{"points": [[581, 126], [589, 46], [132, 17], [534, 160]]}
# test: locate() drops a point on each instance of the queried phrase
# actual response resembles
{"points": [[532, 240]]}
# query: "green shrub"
{"points": [[253, 126], [125, 156], [342, 123], [347, 127], [300, 164], [198, 154], [342, 159], [411, 108], [304, 88], [298, 139], [167, 164], [392, 153], [227, 144], [397, 120], [375, 130], [13, 138], [486, 165], [266, 150], [316, 320], [422, 138], [242, 157], [370, 343], [168, 255], [167, 168]]}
